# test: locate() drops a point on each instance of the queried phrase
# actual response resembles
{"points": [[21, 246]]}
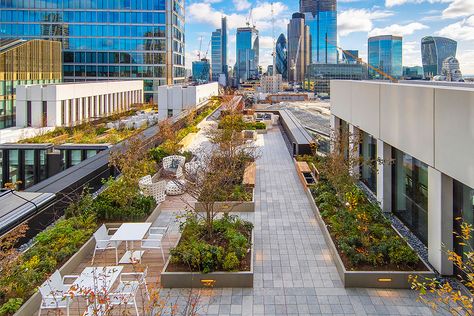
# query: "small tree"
{"points": [[441, 295]]}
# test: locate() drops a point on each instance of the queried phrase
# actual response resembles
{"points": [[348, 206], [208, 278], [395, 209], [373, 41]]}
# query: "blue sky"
{"points": [[357, 19]]}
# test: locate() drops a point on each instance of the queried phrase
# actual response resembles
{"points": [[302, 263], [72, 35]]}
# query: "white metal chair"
{"points": [[54, 292], [154, 241], [125, 294], [160, 232], [174, 164], [103, 242], [134, 279], [155, 189]]}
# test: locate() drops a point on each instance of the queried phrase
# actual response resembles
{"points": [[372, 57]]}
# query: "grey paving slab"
{"points": [[294, 272]]}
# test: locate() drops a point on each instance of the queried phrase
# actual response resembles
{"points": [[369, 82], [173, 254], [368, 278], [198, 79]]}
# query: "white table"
{"points": [[131, 232], [99, 281]]}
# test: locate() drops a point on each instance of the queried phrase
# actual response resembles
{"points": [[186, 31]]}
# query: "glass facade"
{"points": [[368, 161], [219, 51], [410, 193], [25, 163], [315, 6], [463, 204], [434, 50], [385, 53], [25, 62], [281, 59], [319, 76], [247, 54], [106, 39], [202, 71], [323, 33]]}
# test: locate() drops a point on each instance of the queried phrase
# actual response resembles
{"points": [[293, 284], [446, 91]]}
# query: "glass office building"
{"points": [[385, 53], [25, 62], [434, 50], [319, 76], [368, 161], [202, 71], [323, 33], [350, 56], [281, 59], [315, 6], [219, 51], [106, 39], [247, 54]]}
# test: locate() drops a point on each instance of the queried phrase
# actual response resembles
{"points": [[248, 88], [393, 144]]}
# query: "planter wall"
{"points": [[31, 306], [230, 206], [261, 131], [365, 279], [199, 280]]}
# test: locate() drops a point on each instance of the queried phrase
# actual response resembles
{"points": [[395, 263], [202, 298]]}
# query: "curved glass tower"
{"points": [[106, 40], [281, 59], [434, 50]]}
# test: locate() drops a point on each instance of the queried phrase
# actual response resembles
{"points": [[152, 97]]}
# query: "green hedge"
{"points": [[360, 231]]}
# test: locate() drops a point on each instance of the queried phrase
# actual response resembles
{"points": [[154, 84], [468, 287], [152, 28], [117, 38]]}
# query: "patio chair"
{"points": [[155, 189], [124, 295], [174, 165], [154, 241], [54, 292], [134, 279], [160, 232], [103, 242]]}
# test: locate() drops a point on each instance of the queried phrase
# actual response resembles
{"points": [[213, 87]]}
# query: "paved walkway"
{"points": [[294, 273]]}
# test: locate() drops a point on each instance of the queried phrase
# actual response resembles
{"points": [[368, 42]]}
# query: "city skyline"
{"points": [[357, 20]]}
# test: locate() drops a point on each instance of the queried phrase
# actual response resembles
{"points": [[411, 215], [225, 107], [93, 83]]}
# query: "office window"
{"points": [[28, 113], [14, 165], [368, 161], [63, 112], [44, 115], [76, 156], [410, 193], [70, 111], [29, 167], [170, 112], [463, 205], [43, 165]]}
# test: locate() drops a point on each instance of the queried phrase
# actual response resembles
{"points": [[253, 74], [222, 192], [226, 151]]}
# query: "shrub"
{"points": [[231, 262], [11, 306]]}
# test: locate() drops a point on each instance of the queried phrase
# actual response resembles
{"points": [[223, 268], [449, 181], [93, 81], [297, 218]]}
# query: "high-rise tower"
{"points": [[247, 53], [321, 18], [219, 51], [281, 59], [434, 51], [385, 53], [298, 48]]}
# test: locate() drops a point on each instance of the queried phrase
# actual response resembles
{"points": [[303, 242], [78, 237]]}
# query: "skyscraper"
{"points": [[106, 40], [350, 56], [281, 59], [202, 71], [321, 18], [385, 53], [434, 50], [247, 53], [219, 51], [298, 48]]}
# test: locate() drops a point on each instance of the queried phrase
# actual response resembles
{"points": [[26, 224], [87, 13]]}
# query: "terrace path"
{"points": [[294, 272]]}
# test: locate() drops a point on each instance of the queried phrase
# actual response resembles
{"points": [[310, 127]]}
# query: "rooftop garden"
{"points": [[121, 201], [95, 132]]}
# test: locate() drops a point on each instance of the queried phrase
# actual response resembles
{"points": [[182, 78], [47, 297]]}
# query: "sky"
{"points": [[357, 20]]}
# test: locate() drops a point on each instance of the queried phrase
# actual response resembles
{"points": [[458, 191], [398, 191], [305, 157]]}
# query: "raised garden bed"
{"points": [[174, 276], [230, 206], [367, 276]]}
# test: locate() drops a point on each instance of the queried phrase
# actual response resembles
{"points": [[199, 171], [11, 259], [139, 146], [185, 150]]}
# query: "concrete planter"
{"points": [[203, 280], [230, 206], [31, 306], [261, 131], [366, 279]]}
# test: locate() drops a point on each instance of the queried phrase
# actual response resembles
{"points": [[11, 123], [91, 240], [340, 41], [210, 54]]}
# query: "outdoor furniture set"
{"points": [[95, 283], [158, 187]]}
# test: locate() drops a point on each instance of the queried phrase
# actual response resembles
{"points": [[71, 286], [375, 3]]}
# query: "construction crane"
{"points": [[360, 60], [200, 46], [274, 44], [207, 50], [249, 18]]}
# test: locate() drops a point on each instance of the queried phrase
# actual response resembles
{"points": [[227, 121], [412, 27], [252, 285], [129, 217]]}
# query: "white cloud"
{"points": [[392, 3], [459, 8], [397, 29], [466, 62], [358, 20], [241, 5], [411, 54], [462, 30], [200, 12]]}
